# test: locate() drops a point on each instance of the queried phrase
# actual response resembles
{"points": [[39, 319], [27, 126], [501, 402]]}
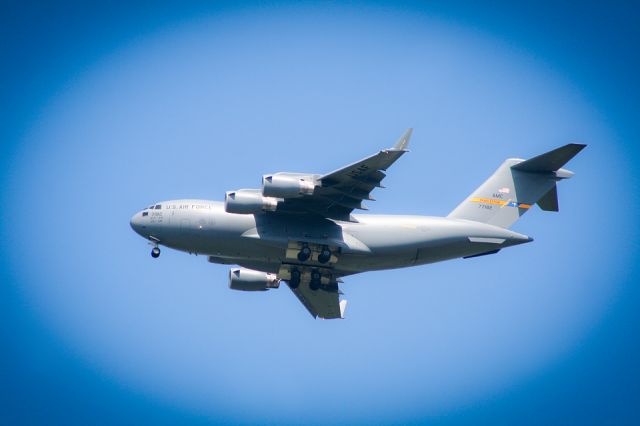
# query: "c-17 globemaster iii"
{"points": [[299, 227]]}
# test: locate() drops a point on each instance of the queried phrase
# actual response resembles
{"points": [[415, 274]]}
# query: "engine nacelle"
{"points": [[250, 280], [287, 185], [248, 201]]}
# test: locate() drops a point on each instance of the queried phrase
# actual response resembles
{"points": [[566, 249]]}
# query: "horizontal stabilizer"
{"points": [[550, 161]]}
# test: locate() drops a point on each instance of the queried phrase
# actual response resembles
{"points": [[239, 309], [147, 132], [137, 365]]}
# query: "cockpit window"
{"points": [[158, 206], [145, 213]]}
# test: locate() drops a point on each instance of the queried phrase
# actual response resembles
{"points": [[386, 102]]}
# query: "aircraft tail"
{"points": [[516, 186]]}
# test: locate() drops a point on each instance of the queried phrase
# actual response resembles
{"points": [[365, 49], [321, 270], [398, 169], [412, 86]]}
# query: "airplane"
{"points": [[299, 228]]}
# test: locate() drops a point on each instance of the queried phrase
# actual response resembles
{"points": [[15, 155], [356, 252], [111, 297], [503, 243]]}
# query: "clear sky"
{"points": [[106, 110]]}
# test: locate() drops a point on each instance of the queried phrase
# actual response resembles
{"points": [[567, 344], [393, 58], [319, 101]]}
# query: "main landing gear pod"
{"points": [[325, 255], [316, 280], [304, 254], [294, 282], [298, 275]]}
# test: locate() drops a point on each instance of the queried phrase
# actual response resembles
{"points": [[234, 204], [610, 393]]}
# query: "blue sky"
{"points": [[109, 109]]}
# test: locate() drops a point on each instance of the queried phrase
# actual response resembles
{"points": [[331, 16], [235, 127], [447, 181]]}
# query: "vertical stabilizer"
{"points": [[549, 201], [516, 186]]}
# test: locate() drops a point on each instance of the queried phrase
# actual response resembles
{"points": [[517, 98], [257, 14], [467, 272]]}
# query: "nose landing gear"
{"points": [[155, 251]]}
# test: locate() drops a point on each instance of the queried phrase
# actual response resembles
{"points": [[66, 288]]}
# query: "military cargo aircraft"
{"points": [[299, 228]]}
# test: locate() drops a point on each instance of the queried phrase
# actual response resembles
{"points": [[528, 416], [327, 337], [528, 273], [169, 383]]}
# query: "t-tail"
{"points": [[516, 186]]}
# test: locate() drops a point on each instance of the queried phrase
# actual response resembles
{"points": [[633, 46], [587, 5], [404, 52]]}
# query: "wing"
{"points": [[321, 303], [322, 299], [338, 193]]}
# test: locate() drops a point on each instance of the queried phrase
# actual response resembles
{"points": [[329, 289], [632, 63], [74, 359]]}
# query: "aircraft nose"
{"points": [[136, 223]]}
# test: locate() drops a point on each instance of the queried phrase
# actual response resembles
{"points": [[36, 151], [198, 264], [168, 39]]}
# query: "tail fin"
{"points": [[516, 186]]}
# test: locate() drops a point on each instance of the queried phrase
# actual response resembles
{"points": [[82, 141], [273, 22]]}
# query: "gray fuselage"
{"points": [[369, 242]]}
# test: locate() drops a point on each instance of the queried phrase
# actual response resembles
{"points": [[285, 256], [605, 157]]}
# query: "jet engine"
{"points": [[287, 185], [248, 201], [250, 280]]}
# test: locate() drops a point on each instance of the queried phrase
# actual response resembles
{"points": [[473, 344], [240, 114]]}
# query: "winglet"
{"points": [[343, 306], [403, 142]]}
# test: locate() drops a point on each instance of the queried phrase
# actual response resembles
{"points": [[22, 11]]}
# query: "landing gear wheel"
{"points": [[325, 255], [155, 252], [294, 282], [315, 280], [304, 254]]}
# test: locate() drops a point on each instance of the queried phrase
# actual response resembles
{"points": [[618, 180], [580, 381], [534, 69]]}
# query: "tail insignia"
{"points": [[502, 203]]}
